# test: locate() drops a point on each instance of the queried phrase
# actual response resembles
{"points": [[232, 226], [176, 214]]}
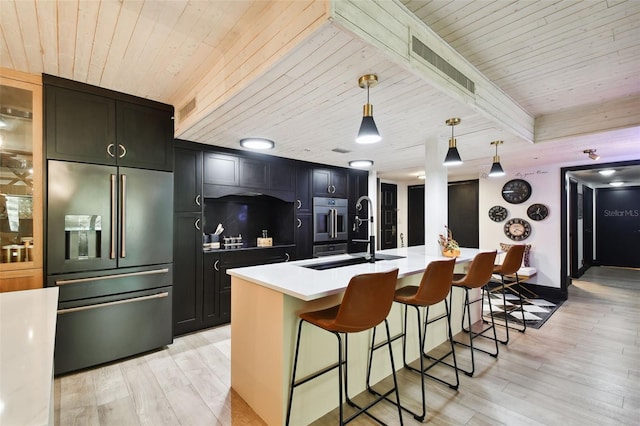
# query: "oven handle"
{"points": [[117, 302], [335, 223], [111, 277]]}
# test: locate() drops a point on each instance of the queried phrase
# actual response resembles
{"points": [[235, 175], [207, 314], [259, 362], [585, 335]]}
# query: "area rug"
{"points": [[536, 310]]}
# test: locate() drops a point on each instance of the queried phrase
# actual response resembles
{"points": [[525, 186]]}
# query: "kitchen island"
{"points": [[27, 336], [265, 303]]}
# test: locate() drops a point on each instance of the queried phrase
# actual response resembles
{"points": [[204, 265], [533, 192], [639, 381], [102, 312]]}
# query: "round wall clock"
{"points": [[517, 229], [516, 191], [498, 213], [537, 211]]}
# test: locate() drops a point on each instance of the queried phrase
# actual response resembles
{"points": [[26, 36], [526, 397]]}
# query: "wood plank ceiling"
{"points": [[573, 65]]}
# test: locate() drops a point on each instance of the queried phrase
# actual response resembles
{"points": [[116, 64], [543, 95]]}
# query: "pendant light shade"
{"points": [[368, 132], [453, 156], [496, 167]]}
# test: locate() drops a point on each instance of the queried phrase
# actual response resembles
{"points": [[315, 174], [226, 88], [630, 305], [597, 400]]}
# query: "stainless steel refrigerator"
{"points": [[110, 252]]}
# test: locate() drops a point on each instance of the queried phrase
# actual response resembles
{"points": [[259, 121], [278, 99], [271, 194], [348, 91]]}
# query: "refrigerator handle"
{"points": [[112, 252], [123, 216]]}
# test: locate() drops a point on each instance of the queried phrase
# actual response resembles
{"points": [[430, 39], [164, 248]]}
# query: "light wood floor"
{"points": [[581, 368]]}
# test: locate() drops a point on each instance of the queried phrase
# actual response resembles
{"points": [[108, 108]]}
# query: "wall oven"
{"points": [[330, 219]]}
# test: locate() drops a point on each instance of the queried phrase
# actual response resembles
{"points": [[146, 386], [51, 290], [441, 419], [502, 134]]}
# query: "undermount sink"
{"points": [[355, 260]]}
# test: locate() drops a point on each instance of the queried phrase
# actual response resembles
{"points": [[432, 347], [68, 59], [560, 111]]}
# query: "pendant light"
{"points": [[496, 168], [453, 156], [368, 132]]}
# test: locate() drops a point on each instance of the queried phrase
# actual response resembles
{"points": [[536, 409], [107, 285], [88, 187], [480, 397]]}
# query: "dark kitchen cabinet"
{"points": [[188, 180], [282, 175], [358, 186], [216, 296], [187, 273], [94, 125], [221, 169], [304, 237], [304, 199], [330, 183]]}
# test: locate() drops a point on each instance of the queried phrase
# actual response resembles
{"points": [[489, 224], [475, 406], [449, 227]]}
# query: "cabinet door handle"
{"points": [[287, 257], [215, 265], [299, 204], [198, 199], [197, 224], [332, 189], [299, 223], [124, 151], [109, 148]]}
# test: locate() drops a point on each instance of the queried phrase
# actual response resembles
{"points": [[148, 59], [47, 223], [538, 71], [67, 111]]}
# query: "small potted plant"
{"points": [[448, 245]]}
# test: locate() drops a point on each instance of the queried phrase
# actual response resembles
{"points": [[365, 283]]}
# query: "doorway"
{"points": [[388, 215]]}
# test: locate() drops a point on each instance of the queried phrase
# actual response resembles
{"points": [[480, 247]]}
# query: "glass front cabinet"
{"points": [[21, 170]]}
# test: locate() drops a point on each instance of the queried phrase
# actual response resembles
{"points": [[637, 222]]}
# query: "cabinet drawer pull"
{"points": [[124, 150], [198, 199], [215, 265], [197, 224], [111, 277], [118, 302], [287, 255], [109, 148], [299, 204], [299, 223]]}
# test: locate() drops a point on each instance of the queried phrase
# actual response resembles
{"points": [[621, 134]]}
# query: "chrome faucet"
{"points": [[372, 239]]}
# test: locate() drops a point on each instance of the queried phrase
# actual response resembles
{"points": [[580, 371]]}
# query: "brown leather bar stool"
{"points": [[510, 266], [366, 304], [434, 288], [477, 276]]}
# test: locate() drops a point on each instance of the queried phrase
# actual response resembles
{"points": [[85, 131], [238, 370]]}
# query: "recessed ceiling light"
{"points": [[607, 172], [361, 163], [618, 183], [257, 143]]}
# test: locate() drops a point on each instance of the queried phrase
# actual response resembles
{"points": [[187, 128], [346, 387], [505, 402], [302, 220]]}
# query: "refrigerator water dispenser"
{"points": [[82, 236]]}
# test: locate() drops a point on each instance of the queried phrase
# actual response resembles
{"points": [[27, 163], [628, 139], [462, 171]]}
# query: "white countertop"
{"points": [[27, 337], [307, 284]]}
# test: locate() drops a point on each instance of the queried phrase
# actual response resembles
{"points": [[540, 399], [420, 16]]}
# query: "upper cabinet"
{"points": [[230, 174], [20, 180], [330, 183], [94, 125], [187, 180]]}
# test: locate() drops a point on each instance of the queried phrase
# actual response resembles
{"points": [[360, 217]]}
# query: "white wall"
{"points": [[545, 234]]}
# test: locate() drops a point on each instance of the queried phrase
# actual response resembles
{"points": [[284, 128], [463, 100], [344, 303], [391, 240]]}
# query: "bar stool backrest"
{"points": [[480, 270], [366, 302], [512, 260], [436, 282]]}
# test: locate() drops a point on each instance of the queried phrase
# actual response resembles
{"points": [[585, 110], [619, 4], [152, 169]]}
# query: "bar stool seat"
{"points": [[366, 304], [434, 288], [477, 277], [510, 266]]}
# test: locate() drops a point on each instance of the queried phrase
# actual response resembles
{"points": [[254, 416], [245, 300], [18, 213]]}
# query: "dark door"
{"points": [[463, 217], [187, 180], [145, 136], [415, 225], [575, 213], [187, 273], [146, 216], [618, 231], [587, 227], [80, 126], [388, 215]]}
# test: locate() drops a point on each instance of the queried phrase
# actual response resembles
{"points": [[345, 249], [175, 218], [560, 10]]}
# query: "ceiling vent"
{"points": [[341, 150], [421, 49], [187, 109]]}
